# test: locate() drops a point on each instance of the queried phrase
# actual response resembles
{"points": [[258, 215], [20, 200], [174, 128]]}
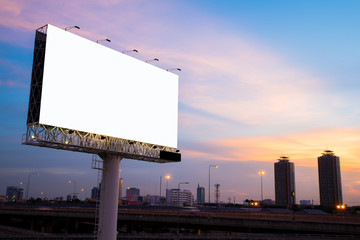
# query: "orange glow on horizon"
{"points": [[303, 148]]}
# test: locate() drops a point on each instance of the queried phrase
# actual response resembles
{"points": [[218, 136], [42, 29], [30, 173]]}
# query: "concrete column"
{"points": [[109, 197]]}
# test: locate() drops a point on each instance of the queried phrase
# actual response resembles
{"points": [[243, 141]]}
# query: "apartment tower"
{"points": [[329, 179], [284, 182]]}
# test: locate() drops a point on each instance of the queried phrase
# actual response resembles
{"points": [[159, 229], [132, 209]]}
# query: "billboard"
{"points": [[91, 88]]}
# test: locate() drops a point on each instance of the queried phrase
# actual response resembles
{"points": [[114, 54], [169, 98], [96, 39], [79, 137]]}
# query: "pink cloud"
{"points": [[12, 8], [10, 83], [349, 189], [242, 80], [302, 147]]}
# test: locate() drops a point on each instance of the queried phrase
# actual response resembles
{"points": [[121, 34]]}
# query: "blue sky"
{"points": [[260, 79]]}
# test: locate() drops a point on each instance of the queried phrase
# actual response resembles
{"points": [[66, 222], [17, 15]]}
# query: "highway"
{"points": [[156, 220]]}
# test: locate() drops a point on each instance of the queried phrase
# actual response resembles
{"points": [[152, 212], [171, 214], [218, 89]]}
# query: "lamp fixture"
{"points": [[68, 28], [173, 69], [132, 50], [103, 40], [152, 60]]}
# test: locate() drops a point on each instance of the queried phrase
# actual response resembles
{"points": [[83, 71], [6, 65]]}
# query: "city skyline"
{"points": [[259, 79], [283, 171]]}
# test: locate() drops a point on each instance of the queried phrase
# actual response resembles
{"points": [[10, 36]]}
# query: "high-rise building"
{"points": [[132, 193], [15, 193], [329, 179], [217, 192], [200, 196], [284, 182]]}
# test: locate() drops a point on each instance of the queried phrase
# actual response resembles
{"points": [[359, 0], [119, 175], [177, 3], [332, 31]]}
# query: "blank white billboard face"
{"points": [[92, 88]]}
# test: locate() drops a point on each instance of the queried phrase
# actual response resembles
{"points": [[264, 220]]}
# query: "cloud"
{"points": [[349, 189], [302, 147], [11, 8], [13, 75], [227, 74], [234, 192], [56, 171], [10, 83]]}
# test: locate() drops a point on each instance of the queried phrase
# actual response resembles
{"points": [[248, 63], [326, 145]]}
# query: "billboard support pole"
{"points": [[109, 197]]}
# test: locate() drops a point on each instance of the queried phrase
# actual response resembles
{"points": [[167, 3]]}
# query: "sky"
{"points": [[260, 79]]}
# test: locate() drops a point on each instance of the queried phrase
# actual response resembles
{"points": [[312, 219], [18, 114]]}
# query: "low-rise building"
{"points": [[179, 198]]}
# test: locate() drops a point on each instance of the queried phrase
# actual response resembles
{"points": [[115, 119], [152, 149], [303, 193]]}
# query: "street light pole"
{"points": [[261, 174], [167, 177], [179, 204], [84, 190], [293, 207], [74, 187], [160, 187], [43, 195], [28, 184], [215, 166]]}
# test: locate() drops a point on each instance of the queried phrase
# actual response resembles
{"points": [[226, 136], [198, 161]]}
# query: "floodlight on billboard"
{"points": [[90, 98]]}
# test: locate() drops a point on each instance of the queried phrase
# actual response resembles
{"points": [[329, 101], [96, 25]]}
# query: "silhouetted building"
{"points": [[59, 199], [95, 193], [68, 197], [15, 193], [284, 182], [268, 202], [153, 199], [3, 198], [132, 194], [329, 179], [305, 202], [217, 192], [200, 195]]}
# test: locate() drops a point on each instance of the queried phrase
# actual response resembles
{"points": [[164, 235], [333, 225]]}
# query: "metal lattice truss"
{"points": [[73, 140], [37, 75]]}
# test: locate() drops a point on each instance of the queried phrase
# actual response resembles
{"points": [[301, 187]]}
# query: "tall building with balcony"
{"points": [[200, 195], [284, 182], [179, 198], [329, 179]]}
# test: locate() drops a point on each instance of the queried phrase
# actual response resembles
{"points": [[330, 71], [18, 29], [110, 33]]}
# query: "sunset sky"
{"points": [[260, 79]]}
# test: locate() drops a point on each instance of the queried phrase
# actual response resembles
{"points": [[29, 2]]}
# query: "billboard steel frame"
{"points": [[111, 149], [67, 139]]}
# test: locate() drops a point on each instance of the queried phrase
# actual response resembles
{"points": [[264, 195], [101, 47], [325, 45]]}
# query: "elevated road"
{"points": [[45, 219]]}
